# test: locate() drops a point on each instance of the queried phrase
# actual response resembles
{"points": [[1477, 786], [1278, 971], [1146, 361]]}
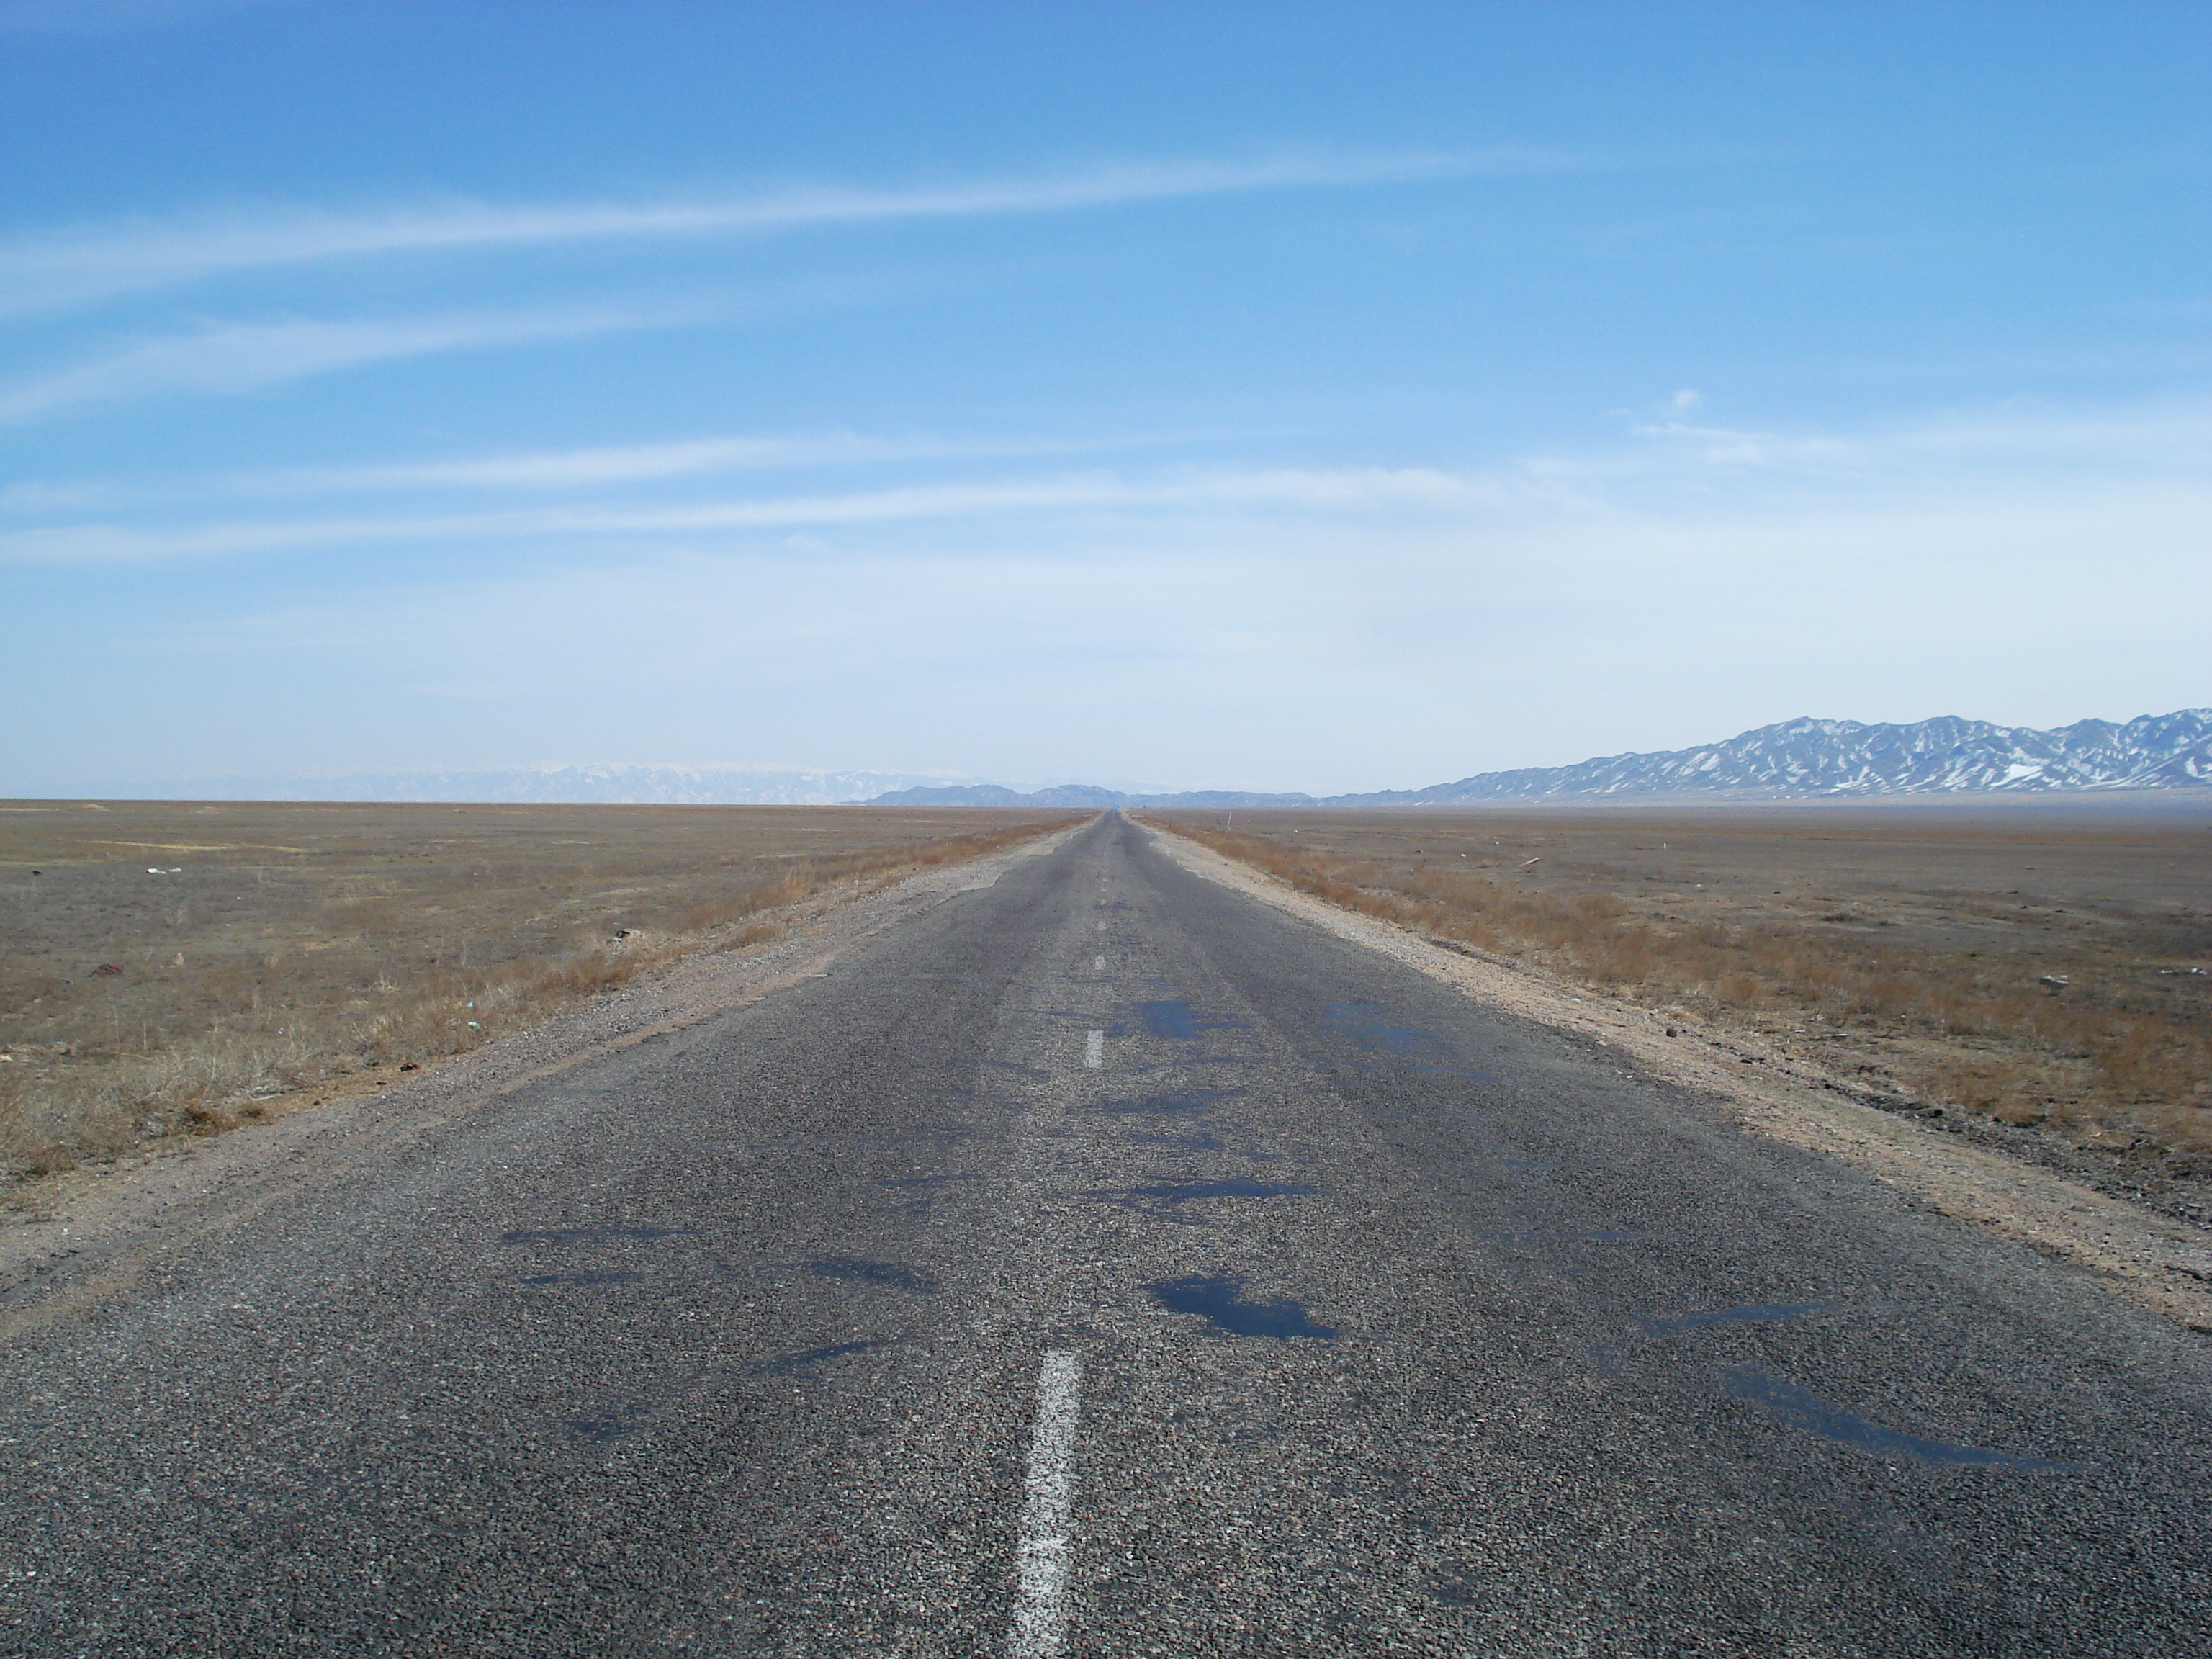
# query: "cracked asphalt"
{"points": [[1401, 1326]]}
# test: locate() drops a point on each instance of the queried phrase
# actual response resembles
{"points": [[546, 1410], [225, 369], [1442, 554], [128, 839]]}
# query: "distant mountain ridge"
{"points": [[1792, 759], [619, 784]]}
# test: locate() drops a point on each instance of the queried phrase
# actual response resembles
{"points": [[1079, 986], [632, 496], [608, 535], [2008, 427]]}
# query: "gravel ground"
{"points": [[1389, 1322]]}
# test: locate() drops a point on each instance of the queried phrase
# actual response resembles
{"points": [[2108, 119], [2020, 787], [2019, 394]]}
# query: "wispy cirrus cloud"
{"points": [[545, 472], [1290, 489], [241, 357], [79, 264], [622, 463]]}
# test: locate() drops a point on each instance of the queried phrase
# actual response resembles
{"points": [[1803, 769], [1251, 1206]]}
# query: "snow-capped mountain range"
{"points": [[1799, 757], [1845, 757]]}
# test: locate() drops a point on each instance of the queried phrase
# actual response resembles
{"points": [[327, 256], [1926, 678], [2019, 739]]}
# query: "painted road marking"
{"points": [[1041, 1608], [1099, 962], [1101, 925], [1094, 1050]]}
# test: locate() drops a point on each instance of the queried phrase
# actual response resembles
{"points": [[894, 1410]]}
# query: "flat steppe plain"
{"points": [[1911, 945], [175, 966]]}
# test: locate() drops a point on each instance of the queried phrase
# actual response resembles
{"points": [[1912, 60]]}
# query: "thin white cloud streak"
{"points": [[1982, 460], [557, 470], [1289, 489], [638, 463], [83, 264], [233, 358]]}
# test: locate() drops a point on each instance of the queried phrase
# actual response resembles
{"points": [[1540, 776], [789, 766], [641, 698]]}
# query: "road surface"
{"points": [[1104, 1263]]}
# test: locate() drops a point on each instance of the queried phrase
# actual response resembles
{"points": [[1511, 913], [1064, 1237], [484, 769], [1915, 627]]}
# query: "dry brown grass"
{"points": [[1908, 950], [290, 950]]}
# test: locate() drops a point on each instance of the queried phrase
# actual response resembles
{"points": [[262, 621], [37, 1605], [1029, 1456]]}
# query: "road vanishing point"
{"points": [[1102, 1262]]}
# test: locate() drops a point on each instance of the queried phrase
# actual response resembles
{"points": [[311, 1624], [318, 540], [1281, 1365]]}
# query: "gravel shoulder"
{"points": [[2162, 1263], [89, 1233]]}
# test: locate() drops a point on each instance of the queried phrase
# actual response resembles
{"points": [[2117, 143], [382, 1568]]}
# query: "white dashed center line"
{"points": [[1094, 1050], [1099, 962], [1041, 1607], [1101, 927]]}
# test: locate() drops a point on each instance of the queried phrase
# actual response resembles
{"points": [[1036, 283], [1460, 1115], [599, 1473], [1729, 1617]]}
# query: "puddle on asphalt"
{"points": [[1189, 1100], [577, 1235], [585, 1278], [1220, 1299], [896, 1274], [805, 1362], [1788, 1404], [1752, 1313]]}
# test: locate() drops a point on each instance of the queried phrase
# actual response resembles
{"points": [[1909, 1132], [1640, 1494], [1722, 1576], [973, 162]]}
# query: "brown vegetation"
{"points": [[173, 966], [2040, 965]]}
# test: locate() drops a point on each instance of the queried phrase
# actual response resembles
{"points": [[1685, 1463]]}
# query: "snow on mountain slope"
{"points": [[1808, 757]]}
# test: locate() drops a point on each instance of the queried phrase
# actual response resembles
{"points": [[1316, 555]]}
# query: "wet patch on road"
{"points": [[1219, 1298], [1795, 1407], [896, 1275]]}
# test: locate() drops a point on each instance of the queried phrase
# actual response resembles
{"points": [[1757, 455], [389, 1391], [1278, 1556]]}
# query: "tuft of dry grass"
{"points": [[182, 967], [1911, 952]]}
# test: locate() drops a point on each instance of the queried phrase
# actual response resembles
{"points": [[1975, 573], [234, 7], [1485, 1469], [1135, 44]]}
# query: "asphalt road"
{"points": [[1104, 1263]]}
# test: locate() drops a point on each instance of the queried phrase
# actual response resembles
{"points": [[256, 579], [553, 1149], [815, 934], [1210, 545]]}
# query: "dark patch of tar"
{"points": [[585, 1278], [1788, 1404], [1180, 1192], [1199, 1140], [1220, 1299], [1367, 1025], [1752, 1313], [896, 1274], [577, 1235], [611, 1424], [1189, 1100], [804, 1362], [1170, 1018]]}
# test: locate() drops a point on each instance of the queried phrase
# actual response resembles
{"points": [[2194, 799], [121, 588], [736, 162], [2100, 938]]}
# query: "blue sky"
{"points": [[1304, 396]]}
